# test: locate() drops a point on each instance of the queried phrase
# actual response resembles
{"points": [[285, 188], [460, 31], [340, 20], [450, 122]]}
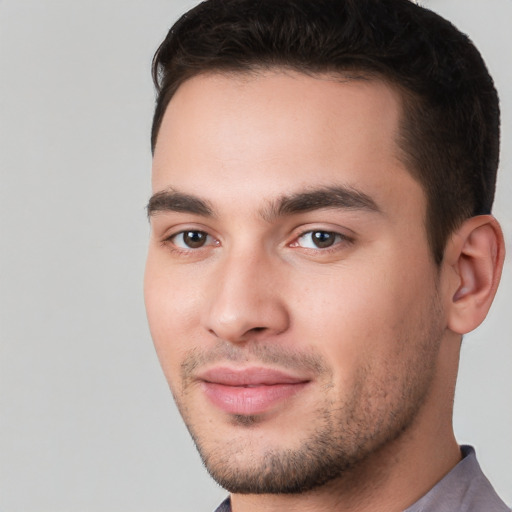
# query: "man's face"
{"points": [[290, 290]]}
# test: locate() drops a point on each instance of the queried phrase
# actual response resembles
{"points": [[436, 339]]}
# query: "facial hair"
{"points": [[345, 431]]}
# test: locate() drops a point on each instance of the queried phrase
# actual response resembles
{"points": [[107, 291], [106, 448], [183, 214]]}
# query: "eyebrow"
{"points": [[173, 201], [336, 197]]}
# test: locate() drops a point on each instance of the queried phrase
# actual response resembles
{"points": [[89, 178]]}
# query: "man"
{"points": [[323, 177]]}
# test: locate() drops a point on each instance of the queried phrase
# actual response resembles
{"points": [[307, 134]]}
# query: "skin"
{"points": [[368, 324]]}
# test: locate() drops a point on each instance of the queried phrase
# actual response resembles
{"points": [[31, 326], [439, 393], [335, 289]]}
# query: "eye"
{"points": [[192, 239], [319, 239]]}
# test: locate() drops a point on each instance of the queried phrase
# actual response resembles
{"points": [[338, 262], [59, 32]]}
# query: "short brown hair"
{"points": [[450, 126]]}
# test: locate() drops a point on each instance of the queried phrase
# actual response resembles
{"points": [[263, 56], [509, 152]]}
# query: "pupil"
{"points": [[323, 238], [194, 239]]}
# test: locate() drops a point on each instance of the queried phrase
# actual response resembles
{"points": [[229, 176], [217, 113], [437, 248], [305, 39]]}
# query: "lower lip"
{"points": [[250, 400]]}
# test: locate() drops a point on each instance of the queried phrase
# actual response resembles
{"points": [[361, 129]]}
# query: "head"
{"points": [[318, 249], [449, 132]]}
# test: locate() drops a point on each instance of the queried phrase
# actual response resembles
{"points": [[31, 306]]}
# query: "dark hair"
{"points": [[450, 123]]}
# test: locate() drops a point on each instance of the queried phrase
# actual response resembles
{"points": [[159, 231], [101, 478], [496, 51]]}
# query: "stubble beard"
{"points": [[319, 459], [345, 434]]}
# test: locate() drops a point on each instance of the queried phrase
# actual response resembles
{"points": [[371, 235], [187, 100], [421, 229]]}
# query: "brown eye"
{"points": [[191, 239], [319, 239], [323, 238]]}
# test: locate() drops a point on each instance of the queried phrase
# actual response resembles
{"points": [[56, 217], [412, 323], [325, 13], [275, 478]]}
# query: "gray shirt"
{"points": [[464, 489]]}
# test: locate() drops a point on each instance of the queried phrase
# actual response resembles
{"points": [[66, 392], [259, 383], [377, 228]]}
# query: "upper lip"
{"points": [[250, 376]]}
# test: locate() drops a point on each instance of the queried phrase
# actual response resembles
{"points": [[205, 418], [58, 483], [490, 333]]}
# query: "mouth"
{"points": [[249, 391]]}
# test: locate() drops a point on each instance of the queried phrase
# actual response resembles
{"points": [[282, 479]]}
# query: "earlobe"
{"points": [[475, 254]]}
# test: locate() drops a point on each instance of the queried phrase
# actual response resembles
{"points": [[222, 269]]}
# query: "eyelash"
{"points": [[340, 239], [171, 243]]}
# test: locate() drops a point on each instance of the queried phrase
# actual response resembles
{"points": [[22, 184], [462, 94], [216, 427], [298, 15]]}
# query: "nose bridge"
{"points": [[244, 299]]}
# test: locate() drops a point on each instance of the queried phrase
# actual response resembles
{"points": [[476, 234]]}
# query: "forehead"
{"points": [[276, 131], [225, 99]]}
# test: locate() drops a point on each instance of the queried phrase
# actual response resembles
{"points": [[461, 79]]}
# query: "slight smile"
{"points": [[249, 391]]}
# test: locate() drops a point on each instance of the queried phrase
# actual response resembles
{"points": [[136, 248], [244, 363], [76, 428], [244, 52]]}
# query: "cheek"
{"points": [[361, 319], [171, 308]]}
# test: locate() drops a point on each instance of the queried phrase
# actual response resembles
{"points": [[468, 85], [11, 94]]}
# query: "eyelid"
{"points": [[167, 239], [343, 239], [186, 232]]}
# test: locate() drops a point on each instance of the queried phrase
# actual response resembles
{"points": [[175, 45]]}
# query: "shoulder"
{"points": [[464, 489], [225, 506]]}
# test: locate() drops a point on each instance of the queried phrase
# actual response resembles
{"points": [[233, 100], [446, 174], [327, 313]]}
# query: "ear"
{"points": [[474, 255]]}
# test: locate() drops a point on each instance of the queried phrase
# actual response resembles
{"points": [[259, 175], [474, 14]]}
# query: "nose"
{"points": [[245, 299]]}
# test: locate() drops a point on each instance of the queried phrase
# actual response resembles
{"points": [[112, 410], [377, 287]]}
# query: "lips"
{"points": [[249, 391]]}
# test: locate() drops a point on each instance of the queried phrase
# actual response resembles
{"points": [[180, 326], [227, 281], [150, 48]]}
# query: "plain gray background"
{"points": [[87, 422]]}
